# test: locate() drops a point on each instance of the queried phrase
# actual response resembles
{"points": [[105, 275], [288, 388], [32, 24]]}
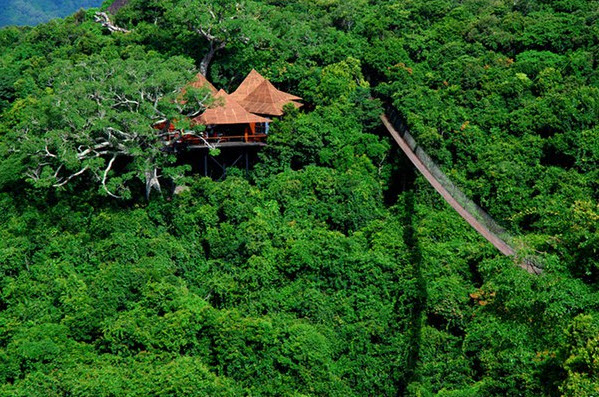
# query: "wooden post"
{"points": [[247, 164], [206, 163]]}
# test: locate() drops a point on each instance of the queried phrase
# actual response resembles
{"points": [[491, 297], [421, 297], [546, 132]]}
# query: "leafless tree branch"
{"points": [[104, 19], [108, 168], [66, 180]]}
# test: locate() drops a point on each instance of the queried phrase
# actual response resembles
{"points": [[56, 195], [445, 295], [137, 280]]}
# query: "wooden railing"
{"points": [[237, 138], [204, 140]]}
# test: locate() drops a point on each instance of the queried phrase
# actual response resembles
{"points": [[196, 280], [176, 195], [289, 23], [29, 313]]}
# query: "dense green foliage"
{"points": [[332, 270], [32, 12]]}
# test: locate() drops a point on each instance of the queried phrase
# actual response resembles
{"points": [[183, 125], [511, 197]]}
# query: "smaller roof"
{"points": [[202, 82], [266, 99], [199, 81], [227, 112]]}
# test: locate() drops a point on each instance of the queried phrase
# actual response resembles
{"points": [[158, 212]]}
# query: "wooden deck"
{"points": [[234, 144], [192, 142]]}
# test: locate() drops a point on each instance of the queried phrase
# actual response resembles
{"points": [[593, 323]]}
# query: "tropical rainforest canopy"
{"points": [[333, 269]]}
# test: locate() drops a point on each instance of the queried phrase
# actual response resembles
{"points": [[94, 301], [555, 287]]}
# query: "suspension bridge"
{"points": [[476, 217]]}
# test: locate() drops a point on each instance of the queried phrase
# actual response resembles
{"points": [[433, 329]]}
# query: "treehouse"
{"points": [[233, 120], [236, 122], [228, 123]]}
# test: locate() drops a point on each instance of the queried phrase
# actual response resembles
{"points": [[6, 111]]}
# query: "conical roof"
{"points": [[251, 82], [227, 112], [266, 99]]}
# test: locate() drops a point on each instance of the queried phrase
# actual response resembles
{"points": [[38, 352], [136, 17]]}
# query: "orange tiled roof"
{"points": [[199, 81], [227, 112], [250, 83], [202, 82], [290, 97], [266, 99]]}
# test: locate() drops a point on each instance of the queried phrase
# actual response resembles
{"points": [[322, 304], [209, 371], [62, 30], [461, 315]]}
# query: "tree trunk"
{"points": [[152, 182], [207, 59]]}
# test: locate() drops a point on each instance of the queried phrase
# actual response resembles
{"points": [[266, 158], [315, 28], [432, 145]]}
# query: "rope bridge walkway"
{"points": [[470, 211]]}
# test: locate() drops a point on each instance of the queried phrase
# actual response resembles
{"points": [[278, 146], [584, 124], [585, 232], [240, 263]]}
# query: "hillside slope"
{"points": [[33, 12]]}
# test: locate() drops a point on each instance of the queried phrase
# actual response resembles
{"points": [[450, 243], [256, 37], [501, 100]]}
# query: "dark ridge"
{"points": [[117, 5]]}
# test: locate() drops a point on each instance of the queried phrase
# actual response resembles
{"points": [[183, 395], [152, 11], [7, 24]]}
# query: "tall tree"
{"points": [[221, 23], [97, 119]]}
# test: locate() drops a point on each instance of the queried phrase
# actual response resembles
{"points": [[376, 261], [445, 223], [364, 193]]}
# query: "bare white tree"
{"points": [[98, 122]]}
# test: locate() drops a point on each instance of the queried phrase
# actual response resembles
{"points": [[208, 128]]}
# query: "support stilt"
{"points": [[217, 168], [247, 164], [205, 164]]}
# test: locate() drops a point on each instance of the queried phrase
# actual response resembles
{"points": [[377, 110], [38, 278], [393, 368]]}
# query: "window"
{"points": [[262, 128]]}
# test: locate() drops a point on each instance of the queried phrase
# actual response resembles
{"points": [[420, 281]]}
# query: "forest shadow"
{"points": [[402, 174], [419, 298]]}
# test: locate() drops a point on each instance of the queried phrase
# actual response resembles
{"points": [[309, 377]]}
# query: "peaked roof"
{"points": [[202, 82], [251, 82], [266, 99], [199, 81], [229, 112]]}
